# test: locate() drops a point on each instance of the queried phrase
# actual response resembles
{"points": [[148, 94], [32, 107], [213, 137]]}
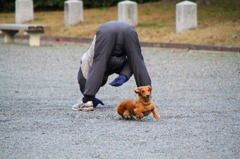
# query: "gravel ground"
{"points": [[197, 95]]}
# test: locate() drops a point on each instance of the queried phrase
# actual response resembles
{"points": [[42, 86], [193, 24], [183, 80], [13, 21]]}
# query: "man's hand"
{"points": [[119, 81]]}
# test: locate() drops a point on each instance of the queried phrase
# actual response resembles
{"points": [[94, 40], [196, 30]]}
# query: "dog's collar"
{"points": [[145, 103]]}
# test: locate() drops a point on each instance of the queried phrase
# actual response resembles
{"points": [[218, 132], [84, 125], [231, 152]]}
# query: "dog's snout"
{"points": [[148, 95]]}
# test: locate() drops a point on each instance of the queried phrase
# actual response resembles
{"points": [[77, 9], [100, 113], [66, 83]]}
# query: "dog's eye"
{"points": [[143, 91]]}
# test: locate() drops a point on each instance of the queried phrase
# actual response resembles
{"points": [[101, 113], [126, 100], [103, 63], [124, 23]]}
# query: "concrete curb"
{"points": [[61, 39]]}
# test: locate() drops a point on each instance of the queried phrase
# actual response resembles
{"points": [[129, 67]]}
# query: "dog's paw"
{"points": [[140, 116], [122, 118], [157, 116]]}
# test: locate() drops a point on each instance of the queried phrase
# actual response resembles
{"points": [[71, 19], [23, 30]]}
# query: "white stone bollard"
{"points": [[127, 12], [186, 16], [23, 11], [73, 12]]}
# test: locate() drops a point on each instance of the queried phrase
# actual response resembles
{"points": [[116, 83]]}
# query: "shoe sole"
{"points": [[84, 109]]}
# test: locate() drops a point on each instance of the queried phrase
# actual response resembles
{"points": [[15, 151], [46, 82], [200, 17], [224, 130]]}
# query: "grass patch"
{"points": [[39, 19], [218, 23], [151, 24]]}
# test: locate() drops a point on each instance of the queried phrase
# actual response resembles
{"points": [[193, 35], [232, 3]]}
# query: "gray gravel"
{"points": [[197, 95]]}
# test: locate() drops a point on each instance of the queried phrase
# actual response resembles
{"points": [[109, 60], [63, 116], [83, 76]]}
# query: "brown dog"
{"points": [[140, 107]]}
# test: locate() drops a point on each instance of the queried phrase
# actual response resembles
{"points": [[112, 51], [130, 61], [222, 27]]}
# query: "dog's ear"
{"points": [[150, 88], [137, 90]]}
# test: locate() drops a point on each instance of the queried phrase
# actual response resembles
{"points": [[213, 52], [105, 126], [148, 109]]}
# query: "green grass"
{"points": [[39, 19], [151, 24]]}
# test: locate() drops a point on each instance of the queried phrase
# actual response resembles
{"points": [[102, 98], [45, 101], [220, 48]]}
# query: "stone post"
{"points": [[73, 12], [23, 11], [127, 12], [9, 36], [186, 16]]}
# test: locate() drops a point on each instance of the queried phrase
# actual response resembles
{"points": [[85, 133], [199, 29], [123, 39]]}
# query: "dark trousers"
{"points": [[107, 36]]}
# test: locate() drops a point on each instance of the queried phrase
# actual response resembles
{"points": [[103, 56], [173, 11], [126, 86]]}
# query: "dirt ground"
{"points": [[197, 95]]}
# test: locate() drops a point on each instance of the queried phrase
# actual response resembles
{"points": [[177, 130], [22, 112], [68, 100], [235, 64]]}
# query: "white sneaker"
{"points": [[83, 106]]}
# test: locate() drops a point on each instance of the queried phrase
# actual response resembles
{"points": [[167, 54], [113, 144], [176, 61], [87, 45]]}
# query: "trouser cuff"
{"points": [[87, 98]]}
